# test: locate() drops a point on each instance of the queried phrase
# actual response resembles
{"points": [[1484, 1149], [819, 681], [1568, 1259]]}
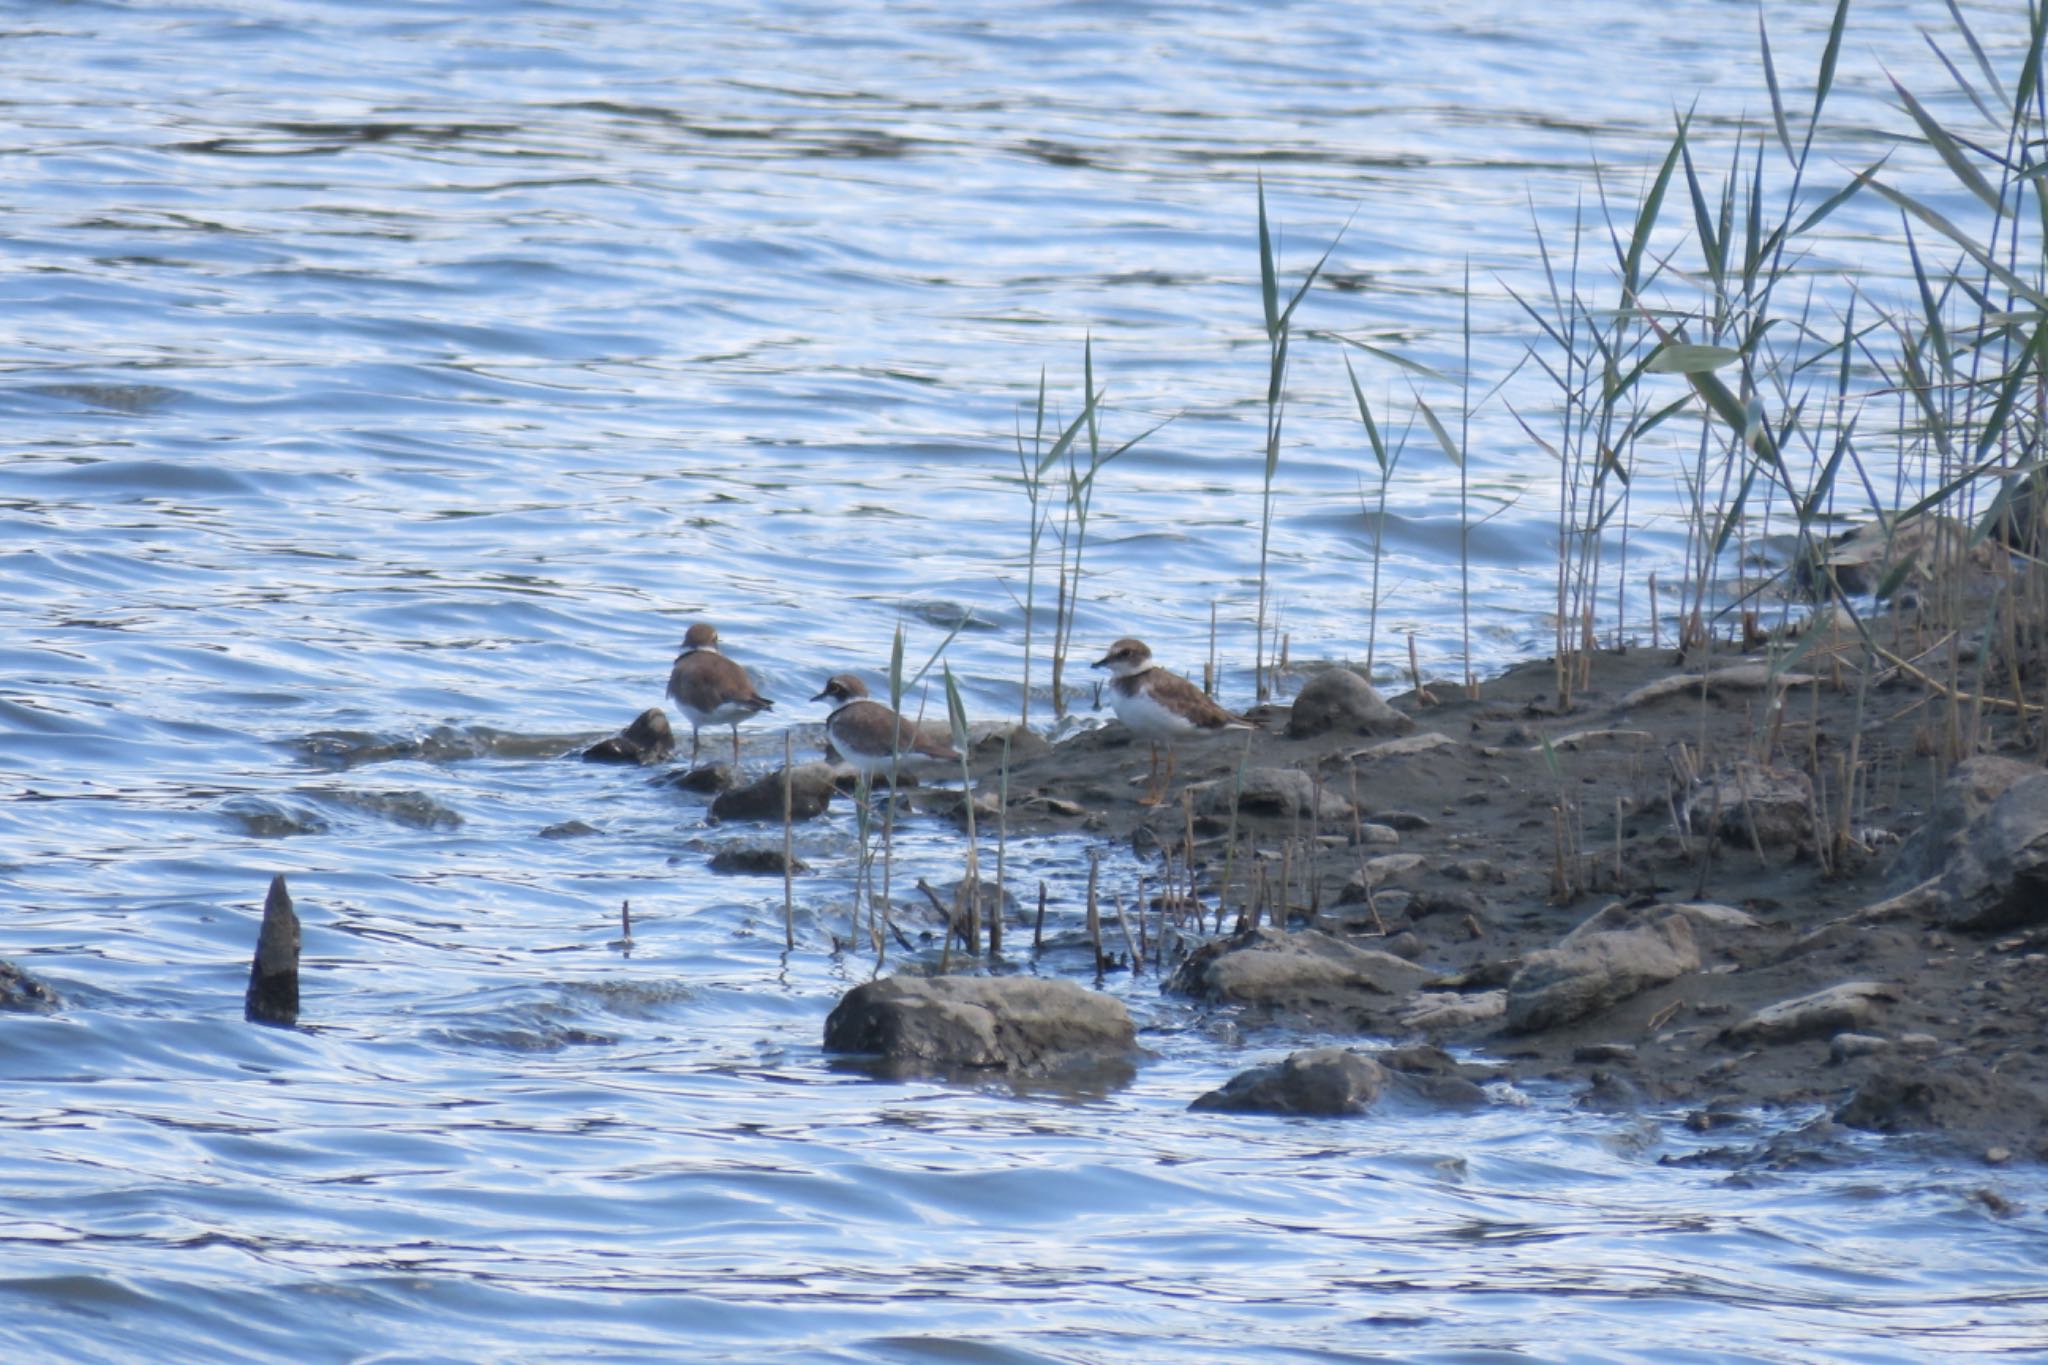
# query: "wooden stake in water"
{"points": [[1094, 911], [1038, 927], [626, 923], [788, 846]]}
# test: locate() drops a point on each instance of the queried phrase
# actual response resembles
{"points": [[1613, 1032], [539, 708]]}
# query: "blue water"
{"points": [[410, 375]]}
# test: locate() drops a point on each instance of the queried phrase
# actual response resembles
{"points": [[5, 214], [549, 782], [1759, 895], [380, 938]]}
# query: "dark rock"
{"points": [[1455, 901], [1340, 700], [21, 992], [755, 860], [1306, 972], [1404, 945], [1588, 973], [1023, 1025], [1955, 1095], [1972, 788], [273, 995], [1998, 879], [568, 829], [1405, 821], [647, 740], [414, 810], [710, 779], [1330, 1082], [1472, 870], [811, 788]]}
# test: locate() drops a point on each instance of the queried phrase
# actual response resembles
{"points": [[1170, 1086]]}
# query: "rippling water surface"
{"points": [[386, 386]]}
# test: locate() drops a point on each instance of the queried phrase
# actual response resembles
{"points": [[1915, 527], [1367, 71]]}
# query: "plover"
{"points": [[711, 689], [1159, 706], [864, 731]]}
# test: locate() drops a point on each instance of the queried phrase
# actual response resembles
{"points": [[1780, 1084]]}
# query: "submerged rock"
{"points": [[811, 786], [1023, 1025], [1593, 971], [710, 779], [1953, 1095], [21, 992], [647, 740], [273, 995], [1341, 700], [1325, 1081], [755, 860]]}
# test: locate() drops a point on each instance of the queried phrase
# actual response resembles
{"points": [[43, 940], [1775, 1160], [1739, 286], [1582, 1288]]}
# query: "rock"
{"points": [[1305, 972], [1956, 1094], [1998, 878], [1772, 805], [1376, 873], [1734, 678], [273, 995], [1405, 747], [1711, 923], [568, 829], [1405, 945], [1845, 1047], [1972, 788], [1471, 870], [1341, 700], [1591, 972], [1450, 1012], [1330, 1082], [21, 992], [1403, 821], [1369, 833], [1455, 901], [755, 860], [710, 779], [987, 751], [1850, 1006], [811, 789], [1271, 792], [1023, 1025], [647, 740]]}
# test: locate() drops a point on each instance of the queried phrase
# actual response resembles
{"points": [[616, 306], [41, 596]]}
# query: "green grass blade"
{"points": [[896, 669], [1436, 428], [1269, 283], [1413, 366], [2031, 293], [1828, 57], [1372, 431], [2013, 385], [1946, 146], [2030, 70], [1684, 357], [956, 711], [1646, 217], [1763, 38], [1838, 198]]}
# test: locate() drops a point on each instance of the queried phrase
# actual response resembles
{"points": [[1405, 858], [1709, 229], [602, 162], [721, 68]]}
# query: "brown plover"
{"points": [[711, 689], [866, 732], [1159, 706]]}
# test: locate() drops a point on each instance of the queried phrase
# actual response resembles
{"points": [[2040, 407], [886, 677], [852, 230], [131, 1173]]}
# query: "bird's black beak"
{"points": [[822, 695], [1102, 662]]}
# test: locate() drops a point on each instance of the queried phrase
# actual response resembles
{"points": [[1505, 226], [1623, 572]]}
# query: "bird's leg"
{"points": [[735, 744], [1152, 791], [693, 746]]}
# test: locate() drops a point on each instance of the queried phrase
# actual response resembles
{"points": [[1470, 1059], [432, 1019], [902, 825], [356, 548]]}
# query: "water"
{"points": [[386, 386]]}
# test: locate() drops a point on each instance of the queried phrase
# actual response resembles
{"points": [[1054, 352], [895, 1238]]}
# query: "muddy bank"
{"points": [[1680, 891]]}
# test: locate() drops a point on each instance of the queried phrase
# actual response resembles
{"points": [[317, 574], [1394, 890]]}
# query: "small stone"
{"points": [[755, 860], [710, 779], [1378, 834], [568, 829], [1405, 821], [647, 740], [1924, 1044], [1844, 1046], [1604, 1054], [1997, 1156], [20, 991], [1471, 870]]}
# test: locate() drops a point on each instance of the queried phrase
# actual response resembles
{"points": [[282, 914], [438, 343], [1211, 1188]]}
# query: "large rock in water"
{"points": [[1305, 973], [1340, 700], [1589, 972], [1998, 878], [811, 787], [1328, 1081], [1023, 1025]]}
